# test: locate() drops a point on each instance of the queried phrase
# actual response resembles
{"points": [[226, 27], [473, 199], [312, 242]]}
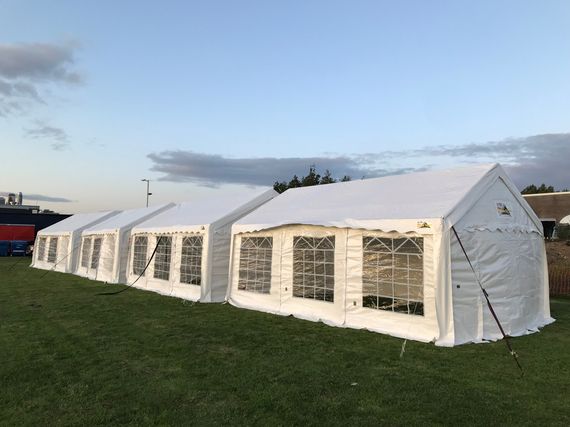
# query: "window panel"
{"points": [[162, 257], [400, 261], [255, 264], [384, 303], [85, 252], [140, 254], [400, 275], [52, 250], [313, 266], [96, 252], [385, 273], [415, 293], [416, 262], [401, 306], [392, 274], [191, 262], [385, 289], [41, 248], [416, 277], [109, 259]]}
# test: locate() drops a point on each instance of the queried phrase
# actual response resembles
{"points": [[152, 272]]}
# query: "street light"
{"points": [[148, 193]]}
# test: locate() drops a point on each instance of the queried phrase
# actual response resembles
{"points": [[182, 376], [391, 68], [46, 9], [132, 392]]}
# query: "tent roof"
{"points": [[206, 211], [125, 219], [76, 222], [364, 203]]}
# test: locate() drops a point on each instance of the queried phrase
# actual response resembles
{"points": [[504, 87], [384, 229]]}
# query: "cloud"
{"points": [[27, 67], [214, 169], [530, 160], [38, 61], [58, 138], [40, 198], [43, 198]]}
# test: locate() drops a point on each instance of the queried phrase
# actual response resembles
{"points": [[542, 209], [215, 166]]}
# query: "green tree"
{"points": [[294, 183], [327, 178], [313, 178], [280, 187], [533, 189]]}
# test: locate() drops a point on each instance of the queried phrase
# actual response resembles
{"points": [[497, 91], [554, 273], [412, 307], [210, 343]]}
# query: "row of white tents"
{"points": [[381, 254]]}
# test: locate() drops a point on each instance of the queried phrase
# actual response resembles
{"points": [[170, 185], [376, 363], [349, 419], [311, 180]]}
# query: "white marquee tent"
{"points": [[381, 254], [104, 246], [57, 246], [192, 258]]}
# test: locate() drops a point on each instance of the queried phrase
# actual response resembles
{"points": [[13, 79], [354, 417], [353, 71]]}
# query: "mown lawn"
{"points": [[70, 356]]}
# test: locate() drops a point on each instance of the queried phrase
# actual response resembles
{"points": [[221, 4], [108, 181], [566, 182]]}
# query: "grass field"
{"points": [[70, 356]]}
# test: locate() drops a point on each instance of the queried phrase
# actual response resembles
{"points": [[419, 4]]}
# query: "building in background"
{"points": [[550, 208], [17, 217]]}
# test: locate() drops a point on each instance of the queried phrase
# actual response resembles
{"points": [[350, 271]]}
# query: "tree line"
{"points": [[542, 188], [315, 178], [312, 178]]}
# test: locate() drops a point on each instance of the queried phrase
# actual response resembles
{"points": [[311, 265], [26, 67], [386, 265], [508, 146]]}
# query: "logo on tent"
{"points": [[503, 209]]}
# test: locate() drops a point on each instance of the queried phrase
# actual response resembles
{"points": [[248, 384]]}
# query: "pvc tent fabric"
{"points": [[197, 238], [68, 236], [388, 203], [189, 215], [104, 247], [480, 202]]}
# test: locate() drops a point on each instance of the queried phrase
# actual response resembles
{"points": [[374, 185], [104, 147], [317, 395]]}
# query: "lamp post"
{"points": [[148, 193]]}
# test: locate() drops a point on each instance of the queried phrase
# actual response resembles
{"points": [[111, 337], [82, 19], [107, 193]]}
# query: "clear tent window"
{"points": [[313, 267], [85, 251], [96, 252], [42, 249], [191, 260], [52, 250], [139, 254], [392, 274], [255, 264], [162, 258]]}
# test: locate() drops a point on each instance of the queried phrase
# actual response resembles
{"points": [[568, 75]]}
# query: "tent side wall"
{"points": [[214, 257], [68, 254], [40, 251], [100, 266], [114, 254], [348, 303], [173, 285], [62, 259], [507, 251], [41, 239]]}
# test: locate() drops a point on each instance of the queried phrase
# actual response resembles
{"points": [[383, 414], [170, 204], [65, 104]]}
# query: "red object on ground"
{"points": [[17, 232]]}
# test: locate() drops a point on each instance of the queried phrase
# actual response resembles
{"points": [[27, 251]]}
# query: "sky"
{"points": [[209, 98]]}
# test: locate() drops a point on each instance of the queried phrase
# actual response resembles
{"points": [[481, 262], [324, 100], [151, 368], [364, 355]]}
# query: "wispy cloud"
{"points": [[27, 67], [533, 159], [57, 137]]}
